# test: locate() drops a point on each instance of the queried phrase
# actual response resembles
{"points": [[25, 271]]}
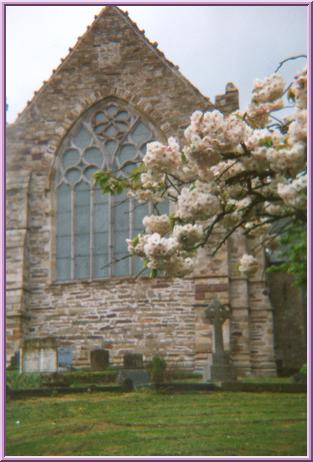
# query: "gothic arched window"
{"points": [[91, 227]]}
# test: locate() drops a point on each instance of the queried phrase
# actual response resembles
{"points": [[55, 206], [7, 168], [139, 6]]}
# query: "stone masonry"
{"points": [[123, 315]]}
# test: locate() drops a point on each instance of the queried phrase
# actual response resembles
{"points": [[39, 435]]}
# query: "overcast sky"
{"points": [[212, 45]]}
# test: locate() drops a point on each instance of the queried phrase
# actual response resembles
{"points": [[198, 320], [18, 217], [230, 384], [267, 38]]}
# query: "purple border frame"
{"points": [[2, 224]]}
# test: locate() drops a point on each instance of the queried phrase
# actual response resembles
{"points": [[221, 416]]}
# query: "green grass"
{"points": [[148, 423], [264, 379]]}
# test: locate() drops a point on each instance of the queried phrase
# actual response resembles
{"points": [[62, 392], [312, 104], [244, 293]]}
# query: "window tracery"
{"points": [[91, 227]]}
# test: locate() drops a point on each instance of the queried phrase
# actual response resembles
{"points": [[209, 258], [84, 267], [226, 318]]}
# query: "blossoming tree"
{"points": [[244, 171]]}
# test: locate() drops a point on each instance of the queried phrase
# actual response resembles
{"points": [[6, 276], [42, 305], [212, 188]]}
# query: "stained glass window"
{"points": [[91, 227]]}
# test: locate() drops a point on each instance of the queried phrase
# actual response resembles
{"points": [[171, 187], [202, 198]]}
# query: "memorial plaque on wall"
{"points": [[48, 360], [39, 355], [31, 361]]}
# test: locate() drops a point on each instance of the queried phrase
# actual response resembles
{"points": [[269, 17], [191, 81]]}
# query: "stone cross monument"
{"points": [[221, 369]]}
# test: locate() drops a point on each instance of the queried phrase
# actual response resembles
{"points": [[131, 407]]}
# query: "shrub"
{"points": [[183, 375], [23, 381], [90, 377], [301, 375], [157, 369]]}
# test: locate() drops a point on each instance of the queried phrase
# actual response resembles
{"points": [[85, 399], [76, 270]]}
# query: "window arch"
{"points": [[92, 227]]}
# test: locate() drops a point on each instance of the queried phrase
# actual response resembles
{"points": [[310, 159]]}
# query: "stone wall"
{"points": [[289, 322], [147, 316]]}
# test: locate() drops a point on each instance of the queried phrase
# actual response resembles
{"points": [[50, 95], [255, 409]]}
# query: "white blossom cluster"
{"points": [[136, 246], [178, 266], [294, 193], [266, 97], [211, 134], [299, 89], [290, 158], [269, 89], [248, 264], [298, 128], [161, 253], [163, 158], [152, 179], [188, 235], [158, 246], [233, 171], [143, 195], [196, 204], [157, 224]]}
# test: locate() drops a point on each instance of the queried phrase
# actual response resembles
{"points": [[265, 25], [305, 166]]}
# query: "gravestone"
{"points": [[99, 359], [39, 355], [133, 375], [133, 361], [65, 358]]}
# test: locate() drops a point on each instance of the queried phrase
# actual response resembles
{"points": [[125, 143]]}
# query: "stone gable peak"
{"points": [[109, 48]]}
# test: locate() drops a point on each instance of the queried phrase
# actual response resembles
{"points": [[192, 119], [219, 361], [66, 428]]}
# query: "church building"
{"points": [[67, 281]]}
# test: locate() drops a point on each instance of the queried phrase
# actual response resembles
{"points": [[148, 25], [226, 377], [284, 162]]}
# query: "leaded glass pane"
{"points": [[82, 222], [101, 223], [123, 115], [163, 208], [82, 138], [100, 243], [121, 126], [93, 156], [120, 212], [111, 109], [64, 223], [127, 152], [138, 267], [100, 198], [82, 243], [100, 117], [63, 269], [120, 241], [110, 147], [111, 131], [82, 210], [89, 172], [139, 212], [64, 246], [81, 268], [73, 175], [141, 133], [121, 265], [64, 198], [82, 194], [101, 269], [99, 128], [71, 157]]}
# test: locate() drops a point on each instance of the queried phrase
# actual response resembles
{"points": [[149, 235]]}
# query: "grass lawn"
{"points": [[147, 423]]}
